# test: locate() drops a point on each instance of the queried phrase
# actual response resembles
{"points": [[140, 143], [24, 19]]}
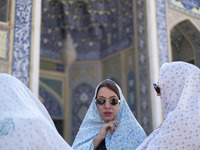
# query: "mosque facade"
{"points": [[61, 50]]}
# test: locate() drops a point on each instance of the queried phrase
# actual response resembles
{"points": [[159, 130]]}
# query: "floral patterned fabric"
{"points": [[24, 121], [128, 135], [180, 93]]}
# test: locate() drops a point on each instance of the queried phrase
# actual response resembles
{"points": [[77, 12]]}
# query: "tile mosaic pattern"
{"points": [[181, 47], [51, 103], [22, 40], [193, 35], [81, 98], [111, 69], [131, 92], [130, 77], [125, 43], [84, 71], [162, 31], [52, 66], [51, 36], [4, 44], [190, 4], [143, 67], [83, 81], [55, 85], [99, 28], [191, 7]]}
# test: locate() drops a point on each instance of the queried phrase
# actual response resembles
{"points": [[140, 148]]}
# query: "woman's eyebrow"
{"points": [[109, 97], [113, 96], [101, 96]]}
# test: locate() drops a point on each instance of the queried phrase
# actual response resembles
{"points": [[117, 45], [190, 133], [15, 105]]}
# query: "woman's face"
{"points": [[107, 111]]}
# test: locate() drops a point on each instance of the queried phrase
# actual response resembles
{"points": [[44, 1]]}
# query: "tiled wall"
{"points": [[22, 41], [191, 7]]}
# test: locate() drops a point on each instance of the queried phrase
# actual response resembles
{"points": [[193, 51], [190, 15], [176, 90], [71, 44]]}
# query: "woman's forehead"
{"points": [[104, 91]]}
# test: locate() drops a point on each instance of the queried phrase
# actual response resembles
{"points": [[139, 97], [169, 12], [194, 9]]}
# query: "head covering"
{"points": [[180, 93], [24, 121], [127, 135]]}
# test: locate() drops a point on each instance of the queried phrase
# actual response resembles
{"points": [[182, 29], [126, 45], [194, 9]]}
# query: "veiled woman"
{"points": [[25, 124], [109, 123], [179, 88]]}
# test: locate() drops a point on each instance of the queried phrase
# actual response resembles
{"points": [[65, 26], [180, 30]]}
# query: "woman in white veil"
{"points": [[122, 131], [179, 87], [24, 121]]}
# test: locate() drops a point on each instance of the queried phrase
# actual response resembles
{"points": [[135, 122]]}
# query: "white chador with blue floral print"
{"points": [[179, 84], [128, 135], [25, 124]]}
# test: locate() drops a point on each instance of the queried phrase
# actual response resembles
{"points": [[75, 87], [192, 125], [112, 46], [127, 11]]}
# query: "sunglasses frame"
{"points": [[157, 88], [118, 101]]}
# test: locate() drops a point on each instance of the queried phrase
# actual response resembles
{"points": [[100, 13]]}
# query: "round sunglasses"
{"points": [[102, 101], [157, 88]]}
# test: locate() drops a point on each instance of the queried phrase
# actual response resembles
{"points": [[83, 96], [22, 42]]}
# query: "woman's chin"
{"points": [[108, 119]]}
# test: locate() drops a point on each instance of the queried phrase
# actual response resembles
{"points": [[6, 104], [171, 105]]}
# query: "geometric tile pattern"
{"points": [[131, 92], [143, 67], [51, 103], [98, 28], [55, 85], [130, 76], [191, 7], [80, 101]]}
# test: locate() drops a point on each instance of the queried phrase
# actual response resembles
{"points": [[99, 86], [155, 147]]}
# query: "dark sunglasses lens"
{"points": [[113, 101], [100, 101], [156, 88]]}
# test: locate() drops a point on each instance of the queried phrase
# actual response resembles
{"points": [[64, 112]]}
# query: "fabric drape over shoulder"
{"points": [[180, 93], [24, 121], [127, 135]]}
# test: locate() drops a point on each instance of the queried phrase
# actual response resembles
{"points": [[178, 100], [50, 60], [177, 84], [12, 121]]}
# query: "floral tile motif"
{"points": [[22, 40], [162, 31]]}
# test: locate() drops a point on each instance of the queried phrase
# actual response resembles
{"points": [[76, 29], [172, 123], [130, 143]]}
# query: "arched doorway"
{"points": [[185, 43]]}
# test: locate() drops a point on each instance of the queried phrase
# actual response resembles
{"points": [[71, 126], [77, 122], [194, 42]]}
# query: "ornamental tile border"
{"points": [[162, 31], [185, 10], [22, 40], [143, 67]]}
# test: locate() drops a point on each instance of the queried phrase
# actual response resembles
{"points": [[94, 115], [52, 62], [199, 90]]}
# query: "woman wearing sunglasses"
{"points": [[109, 123], [179, 88]]}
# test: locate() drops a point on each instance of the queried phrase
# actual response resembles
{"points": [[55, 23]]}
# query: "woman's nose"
{"points": [[107, 104]]}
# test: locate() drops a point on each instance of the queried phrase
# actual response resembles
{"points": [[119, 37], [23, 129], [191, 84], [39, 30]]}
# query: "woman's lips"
{"points": [[107, 113]]}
